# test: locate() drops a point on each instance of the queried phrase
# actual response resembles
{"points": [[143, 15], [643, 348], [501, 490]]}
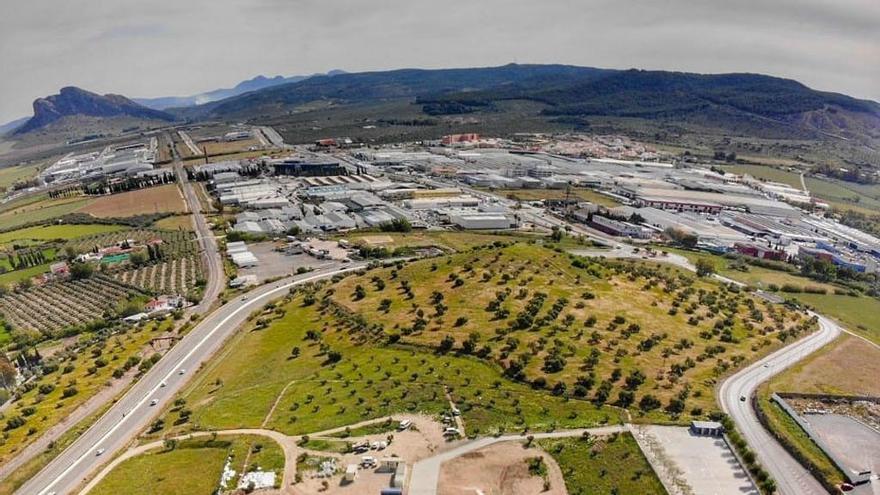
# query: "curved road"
{"points": [[133, 412], [790, 476]]}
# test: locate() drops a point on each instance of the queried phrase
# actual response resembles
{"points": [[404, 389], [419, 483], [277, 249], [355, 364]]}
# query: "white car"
{"points": [[182, 371], [100, 451], [154, 402], [162, 384]]}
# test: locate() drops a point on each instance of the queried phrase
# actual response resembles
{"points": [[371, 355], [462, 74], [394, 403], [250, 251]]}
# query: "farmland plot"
{"points": [[51, 308], [175, 276]]}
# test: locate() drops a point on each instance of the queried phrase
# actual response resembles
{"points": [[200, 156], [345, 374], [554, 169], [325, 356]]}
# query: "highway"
{"points": [[791, 478], [134, 412]]}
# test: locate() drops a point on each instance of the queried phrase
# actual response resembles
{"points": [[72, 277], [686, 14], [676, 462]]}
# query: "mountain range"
{"points": [[254, 84], [547, 97], [747, 102]]}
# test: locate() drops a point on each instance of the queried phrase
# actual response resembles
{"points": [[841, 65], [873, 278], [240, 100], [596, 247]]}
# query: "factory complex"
{"points": [[457, 186]]}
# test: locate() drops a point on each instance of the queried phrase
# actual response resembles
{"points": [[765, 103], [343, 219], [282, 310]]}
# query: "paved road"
{"points": [[133, 412], [791, 478], [426, 473], [207, 243]]}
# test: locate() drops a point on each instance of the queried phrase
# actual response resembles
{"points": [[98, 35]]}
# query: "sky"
{"points": [[180, 47]]}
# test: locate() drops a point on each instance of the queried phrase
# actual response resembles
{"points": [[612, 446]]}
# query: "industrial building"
{"points": [[619, 228], [306, 167]]}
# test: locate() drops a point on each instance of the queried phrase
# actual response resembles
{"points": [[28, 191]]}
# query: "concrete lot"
{"points": [[275, 264], [706, 463], [854, 443]]}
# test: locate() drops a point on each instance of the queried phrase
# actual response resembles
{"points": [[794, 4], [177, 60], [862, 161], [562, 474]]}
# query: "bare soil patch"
{"points": [[161, 199], [500, 469]]}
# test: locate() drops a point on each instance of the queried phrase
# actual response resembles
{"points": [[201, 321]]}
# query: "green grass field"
{"points": [[52, 232], [185, 470], [193, 466], [258, 368], [11, 175], [859, 314], [9, 279], [766, 173], [175, 222], [612, 464], [39, 211], [842, 197]]}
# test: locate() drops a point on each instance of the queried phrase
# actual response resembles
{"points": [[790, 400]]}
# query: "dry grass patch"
{"points": [[161, 199]]}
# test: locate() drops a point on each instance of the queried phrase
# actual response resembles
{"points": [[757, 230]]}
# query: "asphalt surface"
{"points": [[791, 478], [134, 412], [207, 243]]}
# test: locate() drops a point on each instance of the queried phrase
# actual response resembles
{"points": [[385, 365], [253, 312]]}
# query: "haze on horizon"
{"points": [[180, 48]]}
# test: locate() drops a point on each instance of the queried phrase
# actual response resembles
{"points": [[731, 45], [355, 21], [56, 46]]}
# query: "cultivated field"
{"points": [[159, 199], [225, 148], [179, 275], [449, 241], [52, 308]]}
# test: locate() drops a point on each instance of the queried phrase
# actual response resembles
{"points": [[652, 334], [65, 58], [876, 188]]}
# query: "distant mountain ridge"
{"points": [[748, 104], [12, 125], [253, 84], [72, 101]]}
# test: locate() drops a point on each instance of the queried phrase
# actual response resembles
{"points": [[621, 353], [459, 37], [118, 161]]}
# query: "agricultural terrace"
{"points": [[647, 337], [297, 369], [603, 464], [159, 199], [62, 307], [192, 466], [72, 376]]}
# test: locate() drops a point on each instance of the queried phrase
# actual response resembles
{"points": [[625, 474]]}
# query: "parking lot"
{"points": [[705, 463], [855, 444], [274, 264]]}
